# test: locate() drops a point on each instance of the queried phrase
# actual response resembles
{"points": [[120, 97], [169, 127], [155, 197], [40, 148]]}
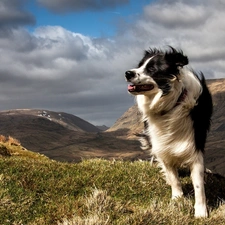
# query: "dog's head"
{"points": [[157, 70]]}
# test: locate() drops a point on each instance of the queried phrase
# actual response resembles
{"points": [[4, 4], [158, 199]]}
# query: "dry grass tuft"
{"points": [[10, 146], [9, 140], [97, 206], [13, 141], [3, 138]]}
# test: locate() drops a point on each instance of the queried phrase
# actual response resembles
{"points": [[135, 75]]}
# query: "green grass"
{"points": [[36, 190]]}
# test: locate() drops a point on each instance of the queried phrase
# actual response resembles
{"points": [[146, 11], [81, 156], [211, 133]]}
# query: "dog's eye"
{"points": [[151, 69]]}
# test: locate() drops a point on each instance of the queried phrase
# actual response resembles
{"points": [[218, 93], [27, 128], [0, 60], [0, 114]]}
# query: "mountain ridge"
{"points": [[42, 131], [67, 120]]}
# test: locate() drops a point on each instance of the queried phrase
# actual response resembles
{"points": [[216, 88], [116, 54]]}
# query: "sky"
{"points": [[70, 55]]}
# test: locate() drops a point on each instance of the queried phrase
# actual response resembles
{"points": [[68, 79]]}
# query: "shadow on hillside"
{"points": [[214, 188], [76, 146], [215, 151]]}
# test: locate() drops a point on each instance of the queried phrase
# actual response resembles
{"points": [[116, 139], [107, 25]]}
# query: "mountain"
{"points": [[129, 124], [64, 137], [65, 119], [102, 127]]}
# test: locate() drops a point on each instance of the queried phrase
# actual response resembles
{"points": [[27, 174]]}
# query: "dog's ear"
{"points": [[176, 58]]}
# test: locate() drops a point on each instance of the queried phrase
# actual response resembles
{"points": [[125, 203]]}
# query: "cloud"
{"points": [[194, 26], [57, 69], [13, 15], [167, 15], [80, 5]]}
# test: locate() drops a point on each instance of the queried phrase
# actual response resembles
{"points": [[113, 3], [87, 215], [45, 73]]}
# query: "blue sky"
{"points": [[71, 55], [94, 23]]}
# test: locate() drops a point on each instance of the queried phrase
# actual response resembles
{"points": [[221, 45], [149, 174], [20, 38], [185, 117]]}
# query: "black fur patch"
{"points": [[201, 115]]}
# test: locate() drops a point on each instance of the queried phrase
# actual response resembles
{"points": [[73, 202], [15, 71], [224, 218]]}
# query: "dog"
{"points": [[176, 107]]}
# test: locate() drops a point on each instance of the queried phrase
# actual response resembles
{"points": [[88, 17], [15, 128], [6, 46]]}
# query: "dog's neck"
{"points": [[181, 97]]}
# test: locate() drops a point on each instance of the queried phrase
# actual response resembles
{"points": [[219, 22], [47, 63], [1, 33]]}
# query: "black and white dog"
{"points": [[176, 106]]}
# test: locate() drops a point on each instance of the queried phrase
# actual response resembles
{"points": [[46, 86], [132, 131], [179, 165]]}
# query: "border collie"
{"points": [[176, 107]]}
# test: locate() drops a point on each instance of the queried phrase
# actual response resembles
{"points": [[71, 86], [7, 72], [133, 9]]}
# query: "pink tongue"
{"points": [[131, 87], [139, 88]]}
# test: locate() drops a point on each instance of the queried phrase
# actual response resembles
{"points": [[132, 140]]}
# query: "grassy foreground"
{"points": [[37, 190]]}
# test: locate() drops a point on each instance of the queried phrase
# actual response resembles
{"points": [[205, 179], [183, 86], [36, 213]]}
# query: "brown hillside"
{"points": [[64, 137], [64, 119], [215, 148]]}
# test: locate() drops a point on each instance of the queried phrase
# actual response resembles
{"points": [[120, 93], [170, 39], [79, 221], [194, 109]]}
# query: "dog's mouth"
{"points": [[140, 88]]}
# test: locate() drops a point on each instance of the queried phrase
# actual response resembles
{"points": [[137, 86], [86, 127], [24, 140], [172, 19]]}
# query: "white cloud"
{"points": [[177, 15], [63, 71], [197, 27]]}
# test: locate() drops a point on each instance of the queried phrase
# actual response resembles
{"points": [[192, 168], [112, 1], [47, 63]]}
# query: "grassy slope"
{"points": [[36, 190]]}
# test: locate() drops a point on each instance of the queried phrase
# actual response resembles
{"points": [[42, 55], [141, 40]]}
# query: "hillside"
{"points": [[129, 124], [40, 191], [18, 117], [64, 137]]}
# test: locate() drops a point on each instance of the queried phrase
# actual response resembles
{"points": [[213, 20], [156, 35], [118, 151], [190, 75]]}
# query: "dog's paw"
{"points": [[177, 192], [201, 211], [177, 195]]}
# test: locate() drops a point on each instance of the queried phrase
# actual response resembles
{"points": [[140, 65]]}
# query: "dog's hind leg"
{"points": [[197, 175], [172, 179]]}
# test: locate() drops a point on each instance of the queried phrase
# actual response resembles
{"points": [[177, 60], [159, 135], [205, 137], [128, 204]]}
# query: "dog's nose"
{"points": [[129, 74]]}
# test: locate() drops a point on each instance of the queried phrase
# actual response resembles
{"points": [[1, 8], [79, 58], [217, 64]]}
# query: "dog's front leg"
{"points": [[197, 175], [173, 180]]}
